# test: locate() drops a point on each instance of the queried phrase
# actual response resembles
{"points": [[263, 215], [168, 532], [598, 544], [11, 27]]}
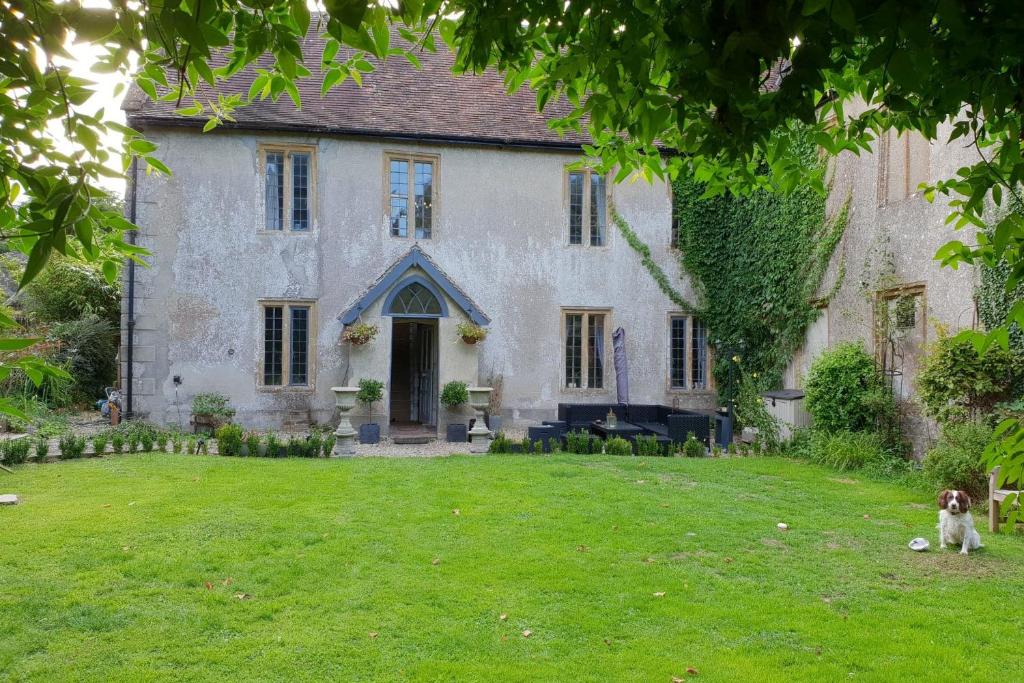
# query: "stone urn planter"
{"points": [[479, 435], [345, 399]]}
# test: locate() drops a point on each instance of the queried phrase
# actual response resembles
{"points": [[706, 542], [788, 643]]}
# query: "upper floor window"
{"points": [[688, 353], [411, 195], [904, 163], [287, 342], [287, 187], [588, 208], [585, 348]]}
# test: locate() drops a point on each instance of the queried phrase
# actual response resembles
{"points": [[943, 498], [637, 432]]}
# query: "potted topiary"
{"points": [[454, 395], [210, 411], [370, 391], [471, 333], [360, 333]]}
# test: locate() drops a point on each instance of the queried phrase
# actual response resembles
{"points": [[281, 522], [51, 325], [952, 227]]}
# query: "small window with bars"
{"points": [[412, 192], [287, 336], [588, 208], [287, 189], [586, 348]]}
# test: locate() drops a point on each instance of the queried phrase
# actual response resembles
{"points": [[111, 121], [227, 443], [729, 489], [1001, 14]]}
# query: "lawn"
{"points": [[203, 568]]}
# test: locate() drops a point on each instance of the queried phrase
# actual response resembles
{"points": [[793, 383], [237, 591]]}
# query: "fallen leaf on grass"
{"points": [[227, 581], [582, 548], [209, 586], [659, 594], [728, 560], [691, 671], [436, 561], [649, 560], [373, 634], [665, 505], [867, 516], [782, 526], [106, 505], [243, 596], [126, 548], [503, 617], [131, 503], [641, 481], [504, 638], [527, 633], [456, 512]]}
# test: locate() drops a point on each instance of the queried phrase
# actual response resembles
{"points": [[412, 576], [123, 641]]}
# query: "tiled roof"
{"points": [[395, 101]]}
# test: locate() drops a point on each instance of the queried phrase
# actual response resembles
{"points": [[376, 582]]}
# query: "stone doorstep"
{"points": [[8, 499]]}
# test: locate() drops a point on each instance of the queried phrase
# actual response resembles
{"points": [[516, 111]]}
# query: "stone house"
{"points": [[416, 202], [883, 285]]}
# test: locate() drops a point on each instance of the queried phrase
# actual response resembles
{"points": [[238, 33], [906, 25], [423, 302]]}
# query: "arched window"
{"points": [[415, 300]]}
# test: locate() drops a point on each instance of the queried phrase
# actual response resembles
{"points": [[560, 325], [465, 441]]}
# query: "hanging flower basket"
{"points": [[470, 333], [359, 334]]}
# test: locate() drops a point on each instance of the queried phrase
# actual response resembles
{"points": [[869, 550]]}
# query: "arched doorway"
{"points": [[414, 306]]}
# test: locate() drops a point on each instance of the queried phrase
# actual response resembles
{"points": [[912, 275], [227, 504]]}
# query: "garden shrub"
{"points": [[751, 410], [577, 442], [955, 461], [328, 445], [132, 442], [146, 441], [99, 443], [252, 443], [66, 290], [648, 445], [229, 440], [454, 394], [87, 350], [500, 444], [618, 446], [526, 446], [273, 446], [178, 442], [15, 451], [313, 444], [117, 442], [844, 450], [161, 441], [955, 383], [554, 445], [42, 449], [71, 447], [372, 390], [296, 447], [214, 405], [538, 447], [844, 391], [692, 448]]}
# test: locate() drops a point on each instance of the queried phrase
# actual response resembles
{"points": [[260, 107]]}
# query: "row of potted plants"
{"points": [[363, 333]]}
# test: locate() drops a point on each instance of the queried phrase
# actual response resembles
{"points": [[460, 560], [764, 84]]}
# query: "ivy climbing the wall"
{"points": [[994, 299], [757, 262]]}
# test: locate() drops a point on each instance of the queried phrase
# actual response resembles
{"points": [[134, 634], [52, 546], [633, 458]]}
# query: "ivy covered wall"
{"points": [[757, 262]]}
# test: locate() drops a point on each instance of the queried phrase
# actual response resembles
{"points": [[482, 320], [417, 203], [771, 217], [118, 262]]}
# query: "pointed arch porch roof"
{"points": [[415, 258]]}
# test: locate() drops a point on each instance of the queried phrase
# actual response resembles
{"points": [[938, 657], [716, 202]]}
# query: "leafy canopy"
{"points": [[711, 82]]}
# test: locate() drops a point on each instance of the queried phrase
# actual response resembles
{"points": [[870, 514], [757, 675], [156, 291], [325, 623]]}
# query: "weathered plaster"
{"points": [[500, 233]]}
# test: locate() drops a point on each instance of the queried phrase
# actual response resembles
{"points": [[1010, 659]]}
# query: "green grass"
{"points": [[128, 568]]}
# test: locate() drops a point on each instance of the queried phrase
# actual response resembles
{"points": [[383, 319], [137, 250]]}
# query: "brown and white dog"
{"points": [[956, 526]]}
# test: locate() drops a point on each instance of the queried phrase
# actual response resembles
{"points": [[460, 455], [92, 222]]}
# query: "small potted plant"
{"points": [[370, 391], [453, 396], [471, 333], [210, 411], [360, 333]]}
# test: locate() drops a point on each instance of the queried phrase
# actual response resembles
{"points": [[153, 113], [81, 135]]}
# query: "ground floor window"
{"points": [[287, 338], [688, 353], [585, 344]]}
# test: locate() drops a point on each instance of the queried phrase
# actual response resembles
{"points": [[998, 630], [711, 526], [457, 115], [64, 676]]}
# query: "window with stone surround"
{"points": [[689, 367], [288, 173], [586, 346], [288, 344], [411, 194], [904, 162], [588, 208]]}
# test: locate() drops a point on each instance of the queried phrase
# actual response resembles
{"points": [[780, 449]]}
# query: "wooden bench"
{"points": [[995, 498]]}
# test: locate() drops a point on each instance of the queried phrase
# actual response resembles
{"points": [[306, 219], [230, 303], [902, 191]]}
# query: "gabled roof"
{"points": [[414, 259], [395, 101]]}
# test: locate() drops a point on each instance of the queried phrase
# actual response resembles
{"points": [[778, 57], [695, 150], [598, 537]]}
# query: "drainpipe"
{"points": [[130, 351]]}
